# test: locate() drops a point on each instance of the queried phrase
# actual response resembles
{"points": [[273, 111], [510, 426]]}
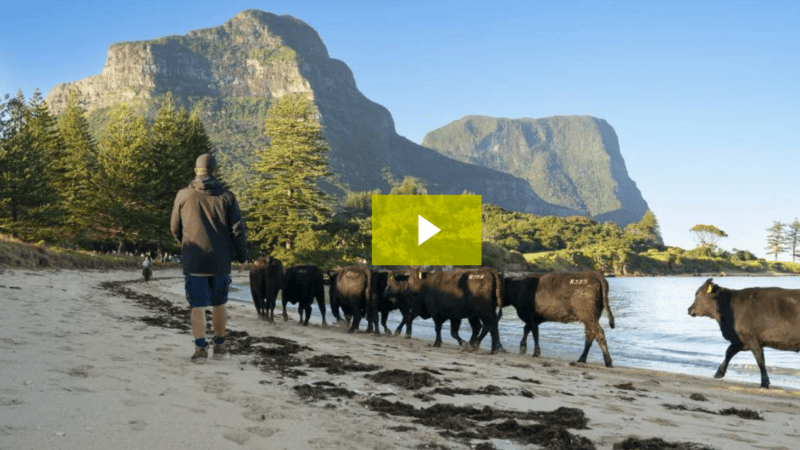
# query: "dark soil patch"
{"points": [[488, 390], [742, 413], [485, 446], [338, 365], [167, 314], [698, 397], [404, 379], [657, 444], [274, 353], [317, 392], [464, 423], [524, 380], [628, 387]]}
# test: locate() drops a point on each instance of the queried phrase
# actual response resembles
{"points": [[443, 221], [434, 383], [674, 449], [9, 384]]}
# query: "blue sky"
{"points": [[703, 95]]}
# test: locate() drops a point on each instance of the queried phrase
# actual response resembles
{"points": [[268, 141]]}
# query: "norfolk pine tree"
{"points": [[24, 185], [776, 239], [46, 137], [76, 167], [286, 199], [793, 236], [178, 138], [122, 205]]}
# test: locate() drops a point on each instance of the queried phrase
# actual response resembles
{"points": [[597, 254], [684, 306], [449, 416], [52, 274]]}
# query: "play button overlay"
{"points": [[436, 230], [425, 230]]}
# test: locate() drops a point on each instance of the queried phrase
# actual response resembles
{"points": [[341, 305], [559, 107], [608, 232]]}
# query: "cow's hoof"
{"points": [[765, 386], [523, 350], [719, 374], [608, 364]]}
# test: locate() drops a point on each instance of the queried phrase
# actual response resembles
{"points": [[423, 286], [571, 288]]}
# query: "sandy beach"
{"points": [[100, 360]]}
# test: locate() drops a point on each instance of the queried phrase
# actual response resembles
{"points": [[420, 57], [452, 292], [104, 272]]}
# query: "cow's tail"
{"points": [[498, 279], [604, 289]]}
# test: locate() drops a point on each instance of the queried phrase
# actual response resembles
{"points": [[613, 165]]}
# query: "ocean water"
{"points": [[653, 330]]}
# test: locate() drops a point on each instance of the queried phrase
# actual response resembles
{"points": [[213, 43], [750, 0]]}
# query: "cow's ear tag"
{"points": [[710, 288], [419, 275]]}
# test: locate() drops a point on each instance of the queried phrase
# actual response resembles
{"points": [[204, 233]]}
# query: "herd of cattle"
{"points": [[750, 318]]}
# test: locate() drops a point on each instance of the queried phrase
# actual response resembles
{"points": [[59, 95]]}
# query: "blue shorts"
{"points": [[202, 292]]}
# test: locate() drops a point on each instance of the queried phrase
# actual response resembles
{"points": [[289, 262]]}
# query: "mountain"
{"points": [[229, 74], [572, 161]]}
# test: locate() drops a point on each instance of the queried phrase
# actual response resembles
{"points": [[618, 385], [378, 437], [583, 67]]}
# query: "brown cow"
{"points": [[266, 279], [751, 319], [561, 297], [351, 290]]}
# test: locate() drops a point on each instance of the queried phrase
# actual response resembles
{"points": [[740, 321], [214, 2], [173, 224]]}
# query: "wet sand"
{"points": [[100, 359]]}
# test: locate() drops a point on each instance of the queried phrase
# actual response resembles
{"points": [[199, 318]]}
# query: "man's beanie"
{"points": [[206, 161]]}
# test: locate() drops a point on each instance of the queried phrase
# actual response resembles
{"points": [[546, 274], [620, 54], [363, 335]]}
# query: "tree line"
{"points": [[59, 183], [783, 238]]}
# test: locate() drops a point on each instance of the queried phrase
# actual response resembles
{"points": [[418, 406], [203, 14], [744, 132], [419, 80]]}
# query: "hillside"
{"points": [[229, 74], [572, 161]]}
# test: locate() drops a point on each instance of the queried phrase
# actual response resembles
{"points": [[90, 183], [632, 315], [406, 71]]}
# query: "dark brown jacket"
{"points": [[206, 221]]}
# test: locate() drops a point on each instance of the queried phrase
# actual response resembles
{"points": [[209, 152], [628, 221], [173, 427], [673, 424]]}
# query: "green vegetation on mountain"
{"points": [[572, 161], [229, 74]]}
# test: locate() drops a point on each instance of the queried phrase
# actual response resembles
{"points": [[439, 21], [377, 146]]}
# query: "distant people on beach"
{"points": [[147, 268]]}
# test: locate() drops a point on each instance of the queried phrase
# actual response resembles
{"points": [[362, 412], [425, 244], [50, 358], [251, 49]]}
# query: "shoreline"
{"points": [[87, 365]]}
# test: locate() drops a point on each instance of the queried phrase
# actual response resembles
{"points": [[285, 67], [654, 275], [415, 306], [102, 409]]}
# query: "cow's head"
{"points": [[396, 285], [705, 301]]}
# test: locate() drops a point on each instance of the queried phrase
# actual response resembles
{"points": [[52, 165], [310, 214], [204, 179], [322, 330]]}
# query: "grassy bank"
{"points": [[21, 255]]}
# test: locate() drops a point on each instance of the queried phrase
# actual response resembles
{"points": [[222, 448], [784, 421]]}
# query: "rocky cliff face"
{"points": [[230, 72], [573, 161]]}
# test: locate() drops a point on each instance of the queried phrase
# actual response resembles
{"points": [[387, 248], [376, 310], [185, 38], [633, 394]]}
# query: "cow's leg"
{"points": [[255, 298], [733, 349], [321, 304], [285, 316], [356, 320], [535, 332], [758, 352], [589, 333], [373, 315], [270, 312], [455, 324], [438, 326], [492, 323], [523, 343], [600, 336], [478, 333], [384, 316]]}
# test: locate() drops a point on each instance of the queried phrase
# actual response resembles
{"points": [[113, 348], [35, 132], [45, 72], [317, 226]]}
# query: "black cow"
{"points": [[751, 319], [455, 295], [301, 284], [561, 297], [266, 279], [413, 306], [386, 303]]}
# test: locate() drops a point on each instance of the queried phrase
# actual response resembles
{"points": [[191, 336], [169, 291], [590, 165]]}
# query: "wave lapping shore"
{"points": [[100, 359]]}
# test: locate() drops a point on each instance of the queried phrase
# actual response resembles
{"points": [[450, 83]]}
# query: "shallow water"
{"points": [[653, 330]]}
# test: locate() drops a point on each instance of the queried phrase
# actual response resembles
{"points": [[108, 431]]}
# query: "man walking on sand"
{"points": [[206, 221]]}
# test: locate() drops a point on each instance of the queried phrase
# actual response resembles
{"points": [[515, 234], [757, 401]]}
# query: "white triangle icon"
{"points": [[425, 229]]}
